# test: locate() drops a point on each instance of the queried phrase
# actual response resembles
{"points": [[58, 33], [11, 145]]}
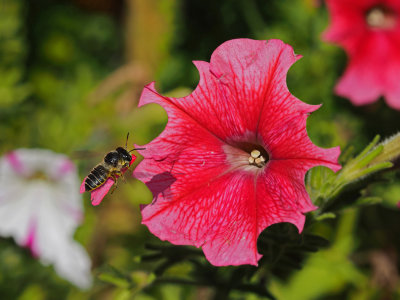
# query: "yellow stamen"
{"points": [[255, 153], [256, 159], [381, 18]]}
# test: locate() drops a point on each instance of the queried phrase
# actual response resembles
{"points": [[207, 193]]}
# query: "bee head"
{"points": [[124, 155]]}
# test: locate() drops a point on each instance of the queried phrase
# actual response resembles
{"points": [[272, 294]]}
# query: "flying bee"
{"points": [[112, 166]]}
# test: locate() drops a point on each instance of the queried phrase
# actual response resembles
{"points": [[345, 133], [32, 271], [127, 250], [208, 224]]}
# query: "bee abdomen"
{"points": [[96, 178]]}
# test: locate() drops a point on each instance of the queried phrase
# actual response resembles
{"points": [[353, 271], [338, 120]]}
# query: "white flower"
{"points": [[40, 206]]}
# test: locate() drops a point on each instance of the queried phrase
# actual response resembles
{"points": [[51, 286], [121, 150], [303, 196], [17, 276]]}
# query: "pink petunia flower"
{"points": [[369, 31], [97, 195], [40, 207], [233, 156]]}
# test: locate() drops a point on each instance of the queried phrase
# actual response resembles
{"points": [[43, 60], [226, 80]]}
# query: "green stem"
{"points": [[391, 150]]}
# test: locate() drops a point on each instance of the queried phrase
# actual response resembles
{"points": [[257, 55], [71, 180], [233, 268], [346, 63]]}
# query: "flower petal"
{"points": [[290, 141], [98, 194], [366, 79], [216, 216], [14, 161], [30, 241], [226, 214], [345, 15], [56, 245]]}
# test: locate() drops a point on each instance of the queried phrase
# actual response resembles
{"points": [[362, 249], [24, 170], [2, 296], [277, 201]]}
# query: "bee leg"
{"points": [[123, 178], [113, 189], [120, 174], [114, 177]]}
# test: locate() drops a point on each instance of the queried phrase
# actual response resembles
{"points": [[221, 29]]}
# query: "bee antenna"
{"points": [[136, 149], [126, 142]]}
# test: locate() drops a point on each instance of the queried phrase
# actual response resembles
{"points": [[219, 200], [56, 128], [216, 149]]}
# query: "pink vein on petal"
{"points": [[15, 162], [30, 241]]}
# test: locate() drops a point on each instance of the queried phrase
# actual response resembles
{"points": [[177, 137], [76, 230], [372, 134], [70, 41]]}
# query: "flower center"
{"points": [[258, 156], [38, 175], [257, 159], [381, 17], [251, 156]]}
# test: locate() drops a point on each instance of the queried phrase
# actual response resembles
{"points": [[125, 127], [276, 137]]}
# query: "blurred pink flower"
{"points": [[233, 156], [369, 31], [97, 195], [40, 207]]}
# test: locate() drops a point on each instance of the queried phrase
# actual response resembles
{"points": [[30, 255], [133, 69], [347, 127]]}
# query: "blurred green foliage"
{"points": [[60, 89]]}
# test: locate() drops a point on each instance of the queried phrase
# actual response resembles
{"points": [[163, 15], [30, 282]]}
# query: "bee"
{"points": [[113, 164]]}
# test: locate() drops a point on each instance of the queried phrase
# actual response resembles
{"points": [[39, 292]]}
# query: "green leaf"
{"points": [[324, 216], [365, 201], [370, 146], [115, 280]]}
